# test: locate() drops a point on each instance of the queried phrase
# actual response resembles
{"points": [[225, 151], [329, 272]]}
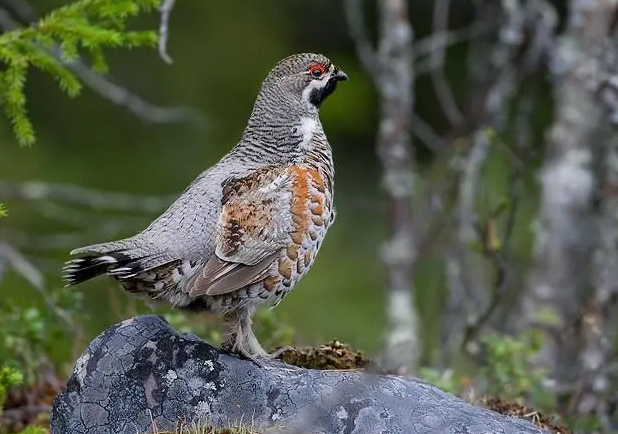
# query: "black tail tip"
{"points": [[79, 270]]}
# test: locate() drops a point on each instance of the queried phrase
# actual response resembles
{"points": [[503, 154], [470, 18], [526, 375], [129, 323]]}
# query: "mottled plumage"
{"points": [[247, 229]]}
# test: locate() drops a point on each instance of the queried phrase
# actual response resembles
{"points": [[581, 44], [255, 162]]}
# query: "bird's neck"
{"points": [[283, 133]]}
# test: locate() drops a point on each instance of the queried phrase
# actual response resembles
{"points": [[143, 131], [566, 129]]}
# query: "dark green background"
{"points": [[222, 50]]}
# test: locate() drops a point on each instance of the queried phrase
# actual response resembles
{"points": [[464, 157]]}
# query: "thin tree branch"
{"points": [[166, 9], [358, 32], [10, 257], [425, 133], [83, 218], [501, 263], [437, 56], [501, 259], [133, 103], [467, 269], [448, 38], [105, 88], [91, 198], [64, 240], [21, 265], [22, 9]]}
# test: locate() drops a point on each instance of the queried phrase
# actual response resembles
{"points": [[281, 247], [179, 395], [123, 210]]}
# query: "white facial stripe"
{"points": [[307, 128], [314, 84]]}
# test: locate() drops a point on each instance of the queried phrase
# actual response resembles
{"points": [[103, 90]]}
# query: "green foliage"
{"points": [[505, 371], [28, 334], [508, 367], [58, 40], [32, 429], [23, 332], [3, 210], [9, 377]]}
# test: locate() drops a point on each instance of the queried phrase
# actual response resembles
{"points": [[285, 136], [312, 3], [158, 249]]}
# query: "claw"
{"points": [[241, 354], [278, 352]]}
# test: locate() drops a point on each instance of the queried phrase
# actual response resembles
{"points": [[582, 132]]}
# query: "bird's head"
{"points": [[309, 78]]}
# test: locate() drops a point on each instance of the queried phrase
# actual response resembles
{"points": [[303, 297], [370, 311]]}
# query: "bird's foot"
{"points": [[279, 351], [241, 353]]}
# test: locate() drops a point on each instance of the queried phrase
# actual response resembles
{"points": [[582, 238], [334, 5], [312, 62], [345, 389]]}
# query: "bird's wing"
{"points": [[254, 224]]}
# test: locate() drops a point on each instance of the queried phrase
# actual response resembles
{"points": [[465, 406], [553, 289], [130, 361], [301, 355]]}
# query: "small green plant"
{"points": [[9, 377], [27, 332], [23, 332], [505, 371], [59, 39], [33, 429], [508, 368]]}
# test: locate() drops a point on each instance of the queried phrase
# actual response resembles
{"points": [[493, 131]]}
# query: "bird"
{"points": [[247, 229]]}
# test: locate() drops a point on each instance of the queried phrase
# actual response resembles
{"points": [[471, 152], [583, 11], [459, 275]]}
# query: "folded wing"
{"points": [[253, 226]]}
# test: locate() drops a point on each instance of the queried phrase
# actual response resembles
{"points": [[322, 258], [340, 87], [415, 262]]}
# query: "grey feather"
{"points": [[174, 258], [221, 277]]}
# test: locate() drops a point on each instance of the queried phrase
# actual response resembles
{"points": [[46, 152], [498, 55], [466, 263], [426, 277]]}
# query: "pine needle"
{"points": [[80, 29]]}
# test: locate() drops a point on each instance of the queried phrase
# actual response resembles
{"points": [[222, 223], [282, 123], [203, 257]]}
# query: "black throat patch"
{"points": [[318, 96]]}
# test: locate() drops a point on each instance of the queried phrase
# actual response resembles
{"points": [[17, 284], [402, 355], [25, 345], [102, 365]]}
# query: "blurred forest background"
{"points": [[476, 186]]}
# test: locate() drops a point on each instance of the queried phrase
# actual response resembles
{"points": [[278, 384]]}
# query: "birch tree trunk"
{"points": [[566, 232], [599, 319], [395, 151], [601, 316]]}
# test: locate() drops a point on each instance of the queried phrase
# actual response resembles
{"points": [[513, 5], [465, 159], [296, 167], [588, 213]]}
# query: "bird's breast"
{"points": [[311, 212]]}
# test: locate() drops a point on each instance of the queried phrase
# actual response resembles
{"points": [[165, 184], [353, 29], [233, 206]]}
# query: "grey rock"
{"points": [[141, 373]]}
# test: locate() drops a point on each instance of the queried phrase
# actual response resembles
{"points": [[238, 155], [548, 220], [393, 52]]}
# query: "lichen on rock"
{"points": [[141, 373]]}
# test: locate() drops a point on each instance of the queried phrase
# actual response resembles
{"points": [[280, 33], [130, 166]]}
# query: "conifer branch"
{"points": [[85, 26]]}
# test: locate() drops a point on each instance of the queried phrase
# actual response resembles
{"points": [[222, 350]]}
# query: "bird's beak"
{"points": [[339, 75]]}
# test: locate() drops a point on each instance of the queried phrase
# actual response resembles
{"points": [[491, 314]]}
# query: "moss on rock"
{"points": [[331, 356], [514, 409]]}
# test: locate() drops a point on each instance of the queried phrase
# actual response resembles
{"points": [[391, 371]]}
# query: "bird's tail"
{"points": [[115, 259]]}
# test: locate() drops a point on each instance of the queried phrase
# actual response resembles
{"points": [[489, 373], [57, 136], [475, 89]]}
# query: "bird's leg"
{"points": [[241, 340], [254, 345], [236, 336], [251, 341]]}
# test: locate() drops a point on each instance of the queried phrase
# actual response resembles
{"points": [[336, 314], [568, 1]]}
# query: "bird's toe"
{"points": [[279, 352]]}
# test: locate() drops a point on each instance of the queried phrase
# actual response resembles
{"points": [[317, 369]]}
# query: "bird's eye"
{"points": [[317, 70]]}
